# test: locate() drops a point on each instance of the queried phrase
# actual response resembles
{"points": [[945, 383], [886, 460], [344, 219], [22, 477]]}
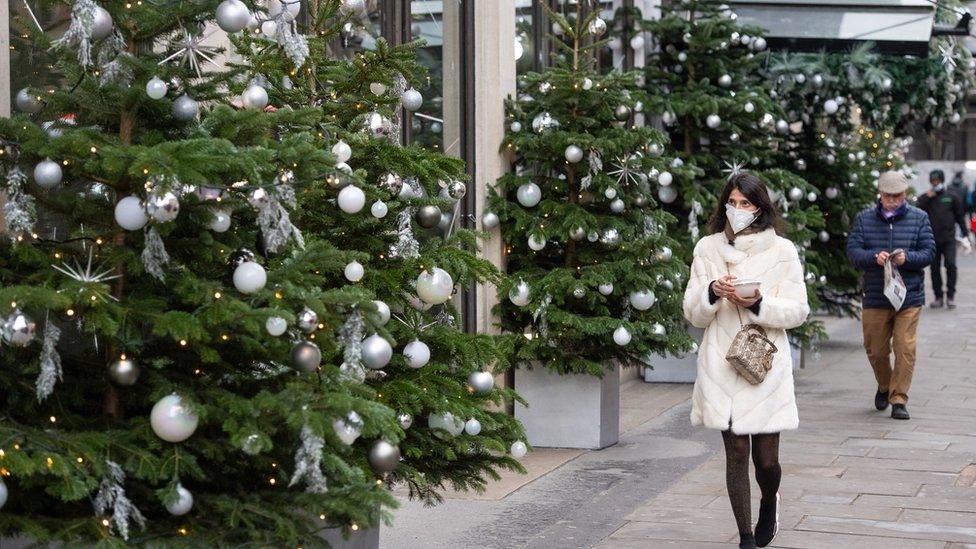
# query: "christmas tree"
{"points": [[705, 81], [170, 337], [392, 210], [592, 275]]}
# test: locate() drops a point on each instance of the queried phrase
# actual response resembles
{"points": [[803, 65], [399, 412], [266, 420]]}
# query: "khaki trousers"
{"points": [[885, 329]]}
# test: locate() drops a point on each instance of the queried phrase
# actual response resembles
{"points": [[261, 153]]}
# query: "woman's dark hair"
{"points": [[756, 191]]}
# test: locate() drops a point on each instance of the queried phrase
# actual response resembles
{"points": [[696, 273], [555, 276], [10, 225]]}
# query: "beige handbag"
{"points": [[751, 353]]}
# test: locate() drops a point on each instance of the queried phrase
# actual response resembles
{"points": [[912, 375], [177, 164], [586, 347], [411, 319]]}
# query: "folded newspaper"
{"points": [[894, 288]]}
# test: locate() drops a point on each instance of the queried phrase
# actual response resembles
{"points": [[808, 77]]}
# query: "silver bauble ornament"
{"points": [[749, 107], [667, 285], [379, 209], [472, 427], [384, 457], [377, 125], [435, 286], [342, 150], [275, 325], [725, 81], [130, 214], [529, 195], [428, 216], [28, 102], [605, 288], [183, 502], [515, 126], [830, 106], [593, 236], [796, 193], [481, 382], [734, 137], [658, 329], [665, 178], [622, 336], [255, 97], [456, 190], [156, 88], [812, 196], [353, 271], [573, 154], [537, 243], [759, 44], [417, 354], [185, 108], [353, 7], [622, 112], [610, 238], [489, 220], [520, 294], [640, 201], [518, 449], [306, 356], [713, 121], [665, 254], [3, 494], [617, 206], [801, 78], [18, 329], [163, 207], [832, 192], [411, 99], [405, 421], [47, 174], [249, 277], [667, 194], [610, 193], [824, 236], [233, 16], [579, 292], [782, 126], [377, 352], [382, 314], [308, 320], [172, 419], [800, 164], [577, 233], [597, 27], [391, 182], [101, 24], [123, 371], [642, 300], [544, 122]]}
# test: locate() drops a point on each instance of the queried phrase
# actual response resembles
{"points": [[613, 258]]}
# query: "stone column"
{"points": [[4, 76]]}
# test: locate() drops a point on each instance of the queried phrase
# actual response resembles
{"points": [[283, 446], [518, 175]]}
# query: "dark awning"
{"points": [[895, 26]]}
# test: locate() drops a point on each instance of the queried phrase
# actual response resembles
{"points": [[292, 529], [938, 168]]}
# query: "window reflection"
{"points": [[360, 33], [31, 65], [436, 124]]}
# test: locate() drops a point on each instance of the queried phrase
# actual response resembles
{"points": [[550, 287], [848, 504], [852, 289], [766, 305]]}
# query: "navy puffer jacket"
{"points": [[909, 230]]}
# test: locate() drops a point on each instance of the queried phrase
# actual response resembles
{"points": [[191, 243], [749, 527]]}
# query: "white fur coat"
{"points": [[721, 397]]}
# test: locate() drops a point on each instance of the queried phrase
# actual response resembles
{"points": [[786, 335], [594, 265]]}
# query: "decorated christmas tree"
{"points": [[172, 342], [592, 275], [392, 210], [704, 79]]}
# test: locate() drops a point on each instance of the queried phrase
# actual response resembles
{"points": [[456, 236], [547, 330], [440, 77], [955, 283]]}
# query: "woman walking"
{"points": [[743, 249]]}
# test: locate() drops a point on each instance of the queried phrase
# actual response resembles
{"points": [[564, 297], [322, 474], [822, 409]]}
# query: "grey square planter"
{"points": [[673, 369], [368, 538], [569, 411]]}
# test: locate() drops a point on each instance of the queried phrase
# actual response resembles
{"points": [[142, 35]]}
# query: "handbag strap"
{"points": [[737, 311]]}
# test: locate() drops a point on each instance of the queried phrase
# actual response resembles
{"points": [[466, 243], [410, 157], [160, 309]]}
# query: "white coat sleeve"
{"points": [[697, 308], [785, 306]]}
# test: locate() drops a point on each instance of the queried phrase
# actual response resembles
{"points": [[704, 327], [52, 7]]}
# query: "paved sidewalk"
{"points": [[853, 477]]}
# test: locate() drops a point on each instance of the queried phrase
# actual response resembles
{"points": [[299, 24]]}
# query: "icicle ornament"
{"points": [[111, 500], [19, 212], [406, 246], [154, 256], [308, 463], [51, 371]]}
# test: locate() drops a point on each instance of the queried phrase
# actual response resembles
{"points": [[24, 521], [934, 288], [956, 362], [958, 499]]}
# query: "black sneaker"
{"points": [[747, 542], [768, 525], [951, 304], [937, 304], [899, 411], [881, 400]]}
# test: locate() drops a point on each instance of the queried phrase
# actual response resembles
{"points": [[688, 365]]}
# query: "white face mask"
{"points": [[739, 219]]}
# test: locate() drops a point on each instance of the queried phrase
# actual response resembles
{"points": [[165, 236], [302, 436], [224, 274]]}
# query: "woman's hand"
{"points": [[723, 286], [744, 302]]}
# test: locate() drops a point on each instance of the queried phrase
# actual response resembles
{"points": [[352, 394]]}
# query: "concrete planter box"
{"points": [[569, 411], [673, 369]]}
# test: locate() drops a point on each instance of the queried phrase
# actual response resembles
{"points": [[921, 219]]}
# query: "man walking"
{"points": [[945, 211], [892, 226]]}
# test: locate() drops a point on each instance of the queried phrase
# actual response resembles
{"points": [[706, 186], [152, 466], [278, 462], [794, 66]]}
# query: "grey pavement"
{"points": [[851, 475]]}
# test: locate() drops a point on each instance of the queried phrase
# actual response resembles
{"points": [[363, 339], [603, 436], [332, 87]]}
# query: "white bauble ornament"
{"points": [[610, 193], [3, 493], [163, 207], [275, 325], [577, 233], [606, 288], [354, 7], [435, 287], [521, 294], [417, 354], [354, 271], [287, 9], [782, 126], [665, 178], [156, 88], [172, 420], [617, 206], [658, 329], [28, 102], [573, 154], [250, 277], [351, 199], [597, 27], [796, 193], [529, 195], [472, 427], [129, 214], [667, 194], [518, 449], [515, 126], [233, 16], [955, 118], [47, 174], [832, 192], [637, 42], [349, 428], [379, 209], [759, 44], [725, 81], [411, 100], [221, 221], [749, 107], [537, 243], [713, 121], [665, 254], [642, 300], [342, 150], [830, 106], [621, 336], [489, 220], [377, 352], [101, 24], [255, 97], [185, 108], [544, 122], [183, 502], [682, 56], [382, 314], [481, 382], [445, 421], [269, 28], [824, 236], [384, 457], [378, 88], [812, 196]]}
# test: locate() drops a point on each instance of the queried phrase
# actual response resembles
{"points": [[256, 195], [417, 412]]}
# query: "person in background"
{"points": [[959, 189], [889, 226], [946, 212]]}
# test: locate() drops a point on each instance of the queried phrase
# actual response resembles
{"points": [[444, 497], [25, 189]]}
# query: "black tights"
{"points": [[765, 456]]}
